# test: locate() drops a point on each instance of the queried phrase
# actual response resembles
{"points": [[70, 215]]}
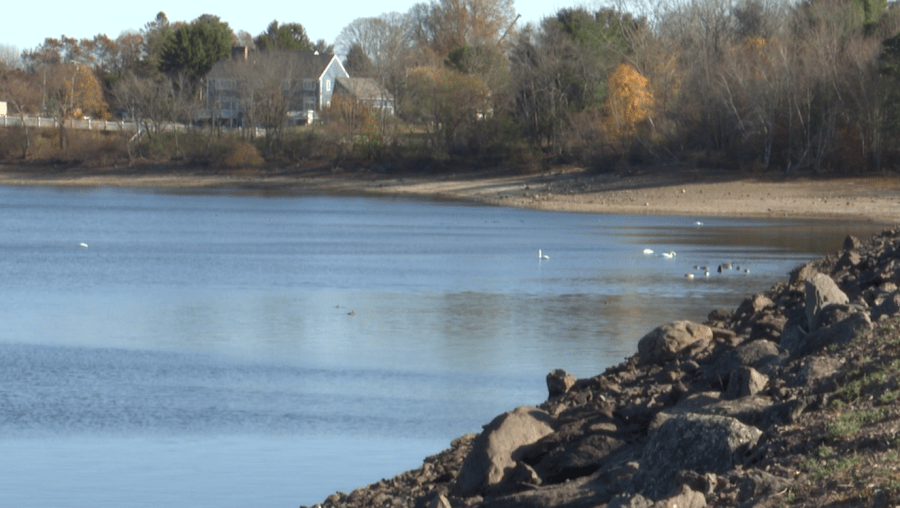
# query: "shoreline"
{"points": [[644, 191]]}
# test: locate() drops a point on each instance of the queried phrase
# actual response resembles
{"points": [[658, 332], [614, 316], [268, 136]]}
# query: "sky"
{"points": [[29, 22]]}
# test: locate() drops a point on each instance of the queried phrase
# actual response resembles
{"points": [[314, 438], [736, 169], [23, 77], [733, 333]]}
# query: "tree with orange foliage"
{"points": [[628, 104]]}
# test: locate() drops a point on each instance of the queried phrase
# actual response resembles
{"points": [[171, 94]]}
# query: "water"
{"points": [[236, 350]]}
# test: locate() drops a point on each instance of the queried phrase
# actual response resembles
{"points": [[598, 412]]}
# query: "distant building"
{"points": [[2, 108], [310, 78], [367, 91]]}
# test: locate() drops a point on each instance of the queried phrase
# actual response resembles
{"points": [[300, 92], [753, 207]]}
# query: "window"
{"points": [[309, 104], [327, 85], [225, 84], [309, 84]]}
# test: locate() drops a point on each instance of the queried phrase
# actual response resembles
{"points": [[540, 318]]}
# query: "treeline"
{"points": [[752, 84]]}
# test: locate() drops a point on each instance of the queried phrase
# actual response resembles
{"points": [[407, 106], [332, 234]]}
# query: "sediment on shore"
{"points": [[791, 399]]}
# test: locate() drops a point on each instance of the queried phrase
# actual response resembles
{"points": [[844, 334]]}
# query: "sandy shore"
{"points": [[667, 191]]}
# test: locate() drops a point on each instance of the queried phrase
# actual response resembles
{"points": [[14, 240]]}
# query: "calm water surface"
{"points": [[233, 350]]}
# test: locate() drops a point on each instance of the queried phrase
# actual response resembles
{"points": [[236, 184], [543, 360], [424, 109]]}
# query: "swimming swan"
{"points": [[542, 256]]}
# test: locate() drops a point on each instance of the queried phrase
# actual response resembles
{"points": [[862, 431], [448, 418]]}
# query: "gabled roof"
{"points": [[309, 64], [364, 88]]}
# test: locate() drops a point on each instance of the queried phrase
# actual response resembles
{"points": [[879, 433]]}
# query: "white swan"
{"points": [[648, 251], [669, 255], [542, 256], [83, 245]]}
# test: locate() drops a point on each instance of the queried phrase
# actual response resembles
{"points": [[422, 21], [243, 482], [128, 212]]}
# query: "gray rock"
{"points": [[559, 382], [814, 373], [762, 355], [889, 306], [687, 498], [494, 452], [699, 443], [664, 342], [821, 290], [745, 381], [439, 501], [839, 333]]}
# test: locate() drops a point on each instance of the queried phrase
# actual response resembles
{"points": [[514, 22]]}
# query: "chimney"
{"points": [[239, 52]]}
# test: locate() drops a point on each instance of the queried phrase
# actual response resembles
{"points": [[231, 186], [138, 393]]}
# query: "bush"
{"points": [[243, 154]]}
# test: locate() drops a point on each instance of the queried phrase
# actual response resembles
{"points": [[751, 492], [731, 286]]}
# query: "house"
{"points": [[308, 77], [366, 91]]}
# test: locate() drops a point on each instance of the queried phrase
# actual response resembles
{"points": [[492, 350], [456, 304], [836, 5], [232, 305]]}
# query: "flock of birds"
{"points": [[704, 269], [671, 254]]}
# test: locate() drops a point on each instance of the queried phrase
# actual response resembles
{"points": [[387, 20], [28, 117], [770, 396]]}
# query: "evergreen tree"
{"points": [[197, 46]]}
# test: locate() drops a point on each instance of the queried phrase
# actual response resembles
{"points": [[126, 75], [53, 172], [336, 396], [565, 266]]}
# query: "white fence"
{"points": [[97, 125]]}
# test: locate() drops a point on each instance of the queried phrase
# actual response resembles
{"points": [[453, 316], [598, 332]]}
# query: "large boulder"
{"points": [[664, 342], [495, 451], [821, 290], [692, 442]]}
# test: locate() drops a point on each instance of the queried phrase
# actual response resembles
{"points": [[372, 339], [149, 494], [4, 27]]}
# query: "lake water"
{"points": [[231, 350]]}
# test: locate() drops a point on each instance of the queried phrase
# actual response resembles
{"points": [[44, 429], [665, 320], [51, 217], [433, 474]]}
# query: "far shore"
{"points": [[643, 191]]}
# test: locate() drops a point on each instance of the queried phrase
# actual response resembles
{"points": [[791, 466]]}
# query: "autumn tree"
{"points": [[283, 37], [442, 25], [195, 47], [628, 104], [446, 102]]}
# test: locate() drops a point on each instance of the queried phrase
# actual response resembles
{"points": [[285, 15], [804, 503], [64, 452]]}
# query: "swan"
{"points": [[542, 256], [83, 245], [669, 255], [688, 276], [648, 251]]}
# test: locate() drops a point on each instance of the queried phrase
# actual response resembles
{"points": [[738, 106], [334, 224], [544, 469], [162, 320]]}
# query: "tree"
{"points": [[158, 35], [358, 64], [195, 47], [10, 58], [286, 37], [443, 25], [628, 104], [446, 101], [385, 40]]}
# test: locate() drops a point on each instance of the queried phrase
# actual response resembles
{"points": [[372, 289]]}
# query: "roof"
{"points": [[309, 64], [364, 88]]}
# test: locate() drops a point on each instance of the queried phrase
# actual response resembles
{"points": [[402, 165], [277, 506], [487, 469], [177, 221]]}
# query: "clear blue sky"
{"points": [[28, 22]]}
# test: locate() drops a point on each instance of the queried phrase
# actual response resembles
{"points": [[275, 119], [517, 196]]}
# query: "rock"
{"points": [[559, 382], [755, 485], [439, 501], [851, 243], [745, 381], [687, 498], [664, 342], [821, 290], [577, 458], [494, 452], [889, 306], [700, 443], [762, 355], [839, 333], [816, 374]]}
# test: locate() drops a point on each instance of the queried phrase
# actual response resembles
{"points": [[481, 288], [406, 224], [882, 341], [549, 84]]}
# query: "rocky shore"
{"points": [[791, 399]]}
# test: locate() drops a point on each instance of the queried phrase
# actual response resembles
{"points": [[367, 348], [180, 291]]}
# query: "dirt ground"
{"points": [[656, 191]]}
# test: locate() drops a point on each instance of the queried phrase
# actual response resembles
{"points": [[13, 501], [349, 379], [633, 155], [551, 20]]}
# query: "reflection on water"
{"points": [[202, 333]]}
